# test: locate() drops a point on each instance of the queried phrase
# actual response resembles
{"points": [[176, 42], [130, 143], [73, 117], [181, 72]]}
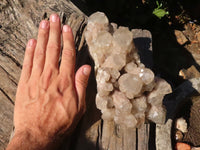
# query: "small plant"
{"points": [[159, 11]]}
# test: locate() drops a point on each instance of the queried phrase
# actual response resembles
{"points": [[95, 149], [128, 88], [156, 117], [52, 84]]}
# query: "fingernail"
{"points": [[44, 24], [66, 28], [54, 18], [30, 42], [86, 70]]}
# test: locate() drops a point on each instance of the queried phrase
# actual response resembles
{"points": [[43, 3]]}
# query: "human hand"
{"points": [[50, 100]]}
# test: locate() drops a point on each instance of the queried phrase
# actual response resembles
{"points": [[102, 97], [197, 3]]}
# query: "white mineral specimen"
{"points": [[115, 61], [139, 105], [108, 114], [181, 125], [156, 114], [132, 68], [121, 102], [127, 92], [130, 84], [146, 75], [130, 121], [123, 40]]}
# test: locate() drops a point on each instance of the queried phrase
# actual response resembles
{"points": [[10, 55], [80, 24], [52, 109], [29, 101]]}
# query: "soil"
{"points": [[172, 51]]}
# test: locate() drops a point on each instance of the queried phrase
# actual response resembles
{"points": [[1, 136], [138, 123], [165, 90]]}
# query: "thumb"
{"points": [[81, 81]]}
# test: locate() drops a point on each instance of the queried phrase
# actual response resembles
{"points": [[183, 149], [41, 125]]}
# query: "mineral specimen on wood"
{"points": [[130, 84], [127, 91], [181, 125]]}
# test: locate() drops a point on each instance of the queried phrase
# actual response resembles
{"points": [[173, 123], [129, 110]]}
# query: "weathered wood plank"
{"points": [[143, 137], [6, 120], [10, 67], [7, 85], [163, 138], [130, 139]]}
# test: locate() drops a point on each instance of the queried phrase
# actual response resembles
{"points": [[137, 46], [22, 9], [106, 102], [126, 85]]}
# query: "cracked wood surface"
{"points": [[19, 21]]}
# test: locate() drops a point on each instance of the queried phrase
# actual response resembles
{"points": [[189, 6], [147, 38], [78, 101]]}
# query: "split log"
{"points": [[19, 21], [6, 117]]}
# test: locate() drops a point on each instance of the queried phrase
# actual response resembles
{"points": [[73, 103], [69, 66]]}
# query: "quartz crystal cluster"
{"points": [[127, 92]]}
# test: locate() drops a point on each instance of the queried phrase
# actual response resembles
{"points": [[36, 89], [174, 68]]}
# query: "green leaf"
{"points": [[160, 13]]}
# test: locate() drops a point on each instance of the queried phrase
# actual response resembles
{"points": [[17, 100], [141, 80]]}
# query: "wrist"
{"points": [[31, 140]]}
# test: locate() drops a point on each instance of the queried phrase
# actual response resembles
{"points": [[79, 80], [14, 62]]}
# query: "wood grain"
{"points": [[6, 121]]}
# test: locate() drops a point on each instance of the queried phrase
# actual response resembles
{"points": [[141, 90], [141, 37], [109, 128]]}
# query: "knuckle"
{"points": [[22, 84], [29, 51], [39, 53], [53, 46], [27, 65], [43, 32], [46, 77], [65, 80], [68, 53], [32, 89], [82, 82], [66, 76], [63, 84], [70, 76]]}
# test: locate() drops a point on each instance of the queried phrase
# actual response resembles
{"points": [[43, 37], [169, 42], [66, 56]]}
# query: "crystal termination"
{"points": [[127, 91]]}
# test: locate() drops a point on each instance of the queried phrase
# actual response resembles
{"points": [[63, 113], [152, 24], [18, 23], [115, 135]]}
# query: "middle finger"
{"points": [[53, 46]]}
